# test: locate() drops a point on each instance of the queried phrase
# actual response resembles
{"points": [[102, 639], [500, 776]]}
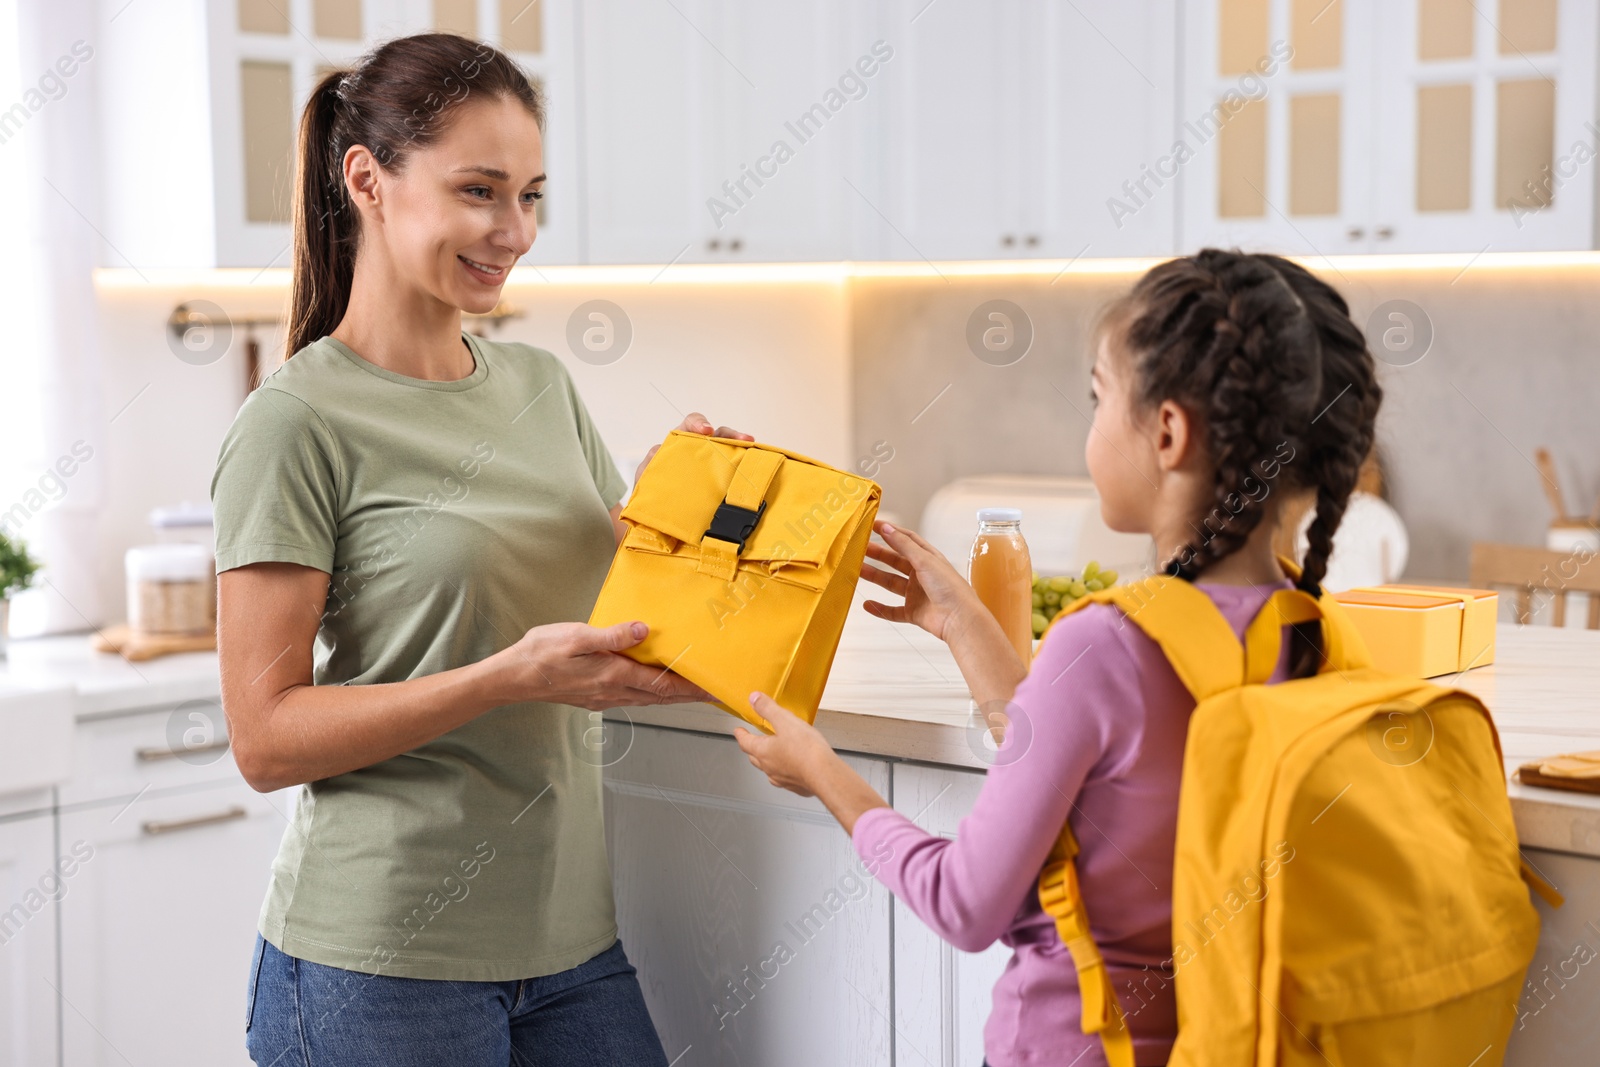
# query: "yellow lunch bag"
{"points": [[1347, 887], [742, 558]]}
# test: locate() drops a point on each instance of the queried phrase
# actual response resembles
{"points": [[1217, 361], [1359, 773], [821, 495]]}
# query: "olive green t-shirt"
{"points": [[452, 517]]}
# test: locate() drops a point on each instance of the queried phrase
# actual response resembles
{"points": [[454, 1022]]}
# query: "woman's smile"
{"points": [[483, 273]]}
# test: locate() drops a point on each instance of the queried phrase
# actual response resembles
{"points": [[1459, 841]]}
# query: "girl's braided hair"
{"points": [[1265, 357]]}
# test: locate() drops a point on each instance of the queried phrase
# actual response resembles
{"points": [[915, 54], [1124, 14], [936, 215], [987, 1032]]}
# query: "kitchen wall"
{"points": [[767, 355], [947, 413], [831, 362], [1512, 366]]}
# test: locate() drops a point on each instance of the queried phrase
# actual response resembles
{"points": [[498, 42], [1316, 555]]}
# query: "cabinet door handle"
{"points": [[1033, 240], [1008, 240], [154, 827], [155, 755], [1384, 232], [1355, 233], [713, 244], [735, 244]]}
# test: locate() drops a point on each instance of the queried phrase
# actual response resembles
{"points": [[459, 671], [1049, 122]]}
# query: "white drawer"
{"points": [[158, 749], [157, 922]]}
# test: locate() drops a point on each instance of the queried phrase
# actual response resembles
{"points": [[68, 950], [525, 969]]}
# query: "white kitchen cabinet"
{"points": [[30, 890], [790, 145], [950, 186], [180, 853], [1490, 147], [204, 151], [174, 854], [158, 925], [1317, 128], [1107, 82], [1556, 1022], [717, 131], [942, 995], [646, 128], [758, 936], [1012, 127], [985, 128]]}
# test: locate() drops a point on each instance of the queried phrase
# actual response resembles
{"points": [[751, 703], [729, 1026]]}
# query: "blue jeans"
{"points": [[303, 1014]]}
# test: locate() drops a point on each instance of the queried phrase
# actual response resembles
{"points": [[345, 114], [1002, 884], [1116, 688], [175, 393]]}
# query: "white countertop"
{"points": [[105, 682], [895, 692]]}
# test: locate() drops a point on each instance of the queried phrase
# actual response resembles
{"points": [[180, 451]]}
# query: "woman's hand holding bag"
{"points": [[694, 422], [578, 664]]}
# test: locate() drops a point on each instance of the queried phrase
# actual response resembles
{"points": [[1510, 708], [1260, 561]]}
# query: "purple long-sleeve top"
{"points": [[1097, 737]]}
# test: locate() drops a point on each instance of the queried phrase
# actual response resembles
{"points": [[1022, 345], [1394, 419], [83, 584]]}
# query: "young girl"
{"points": [[1222, 381]]}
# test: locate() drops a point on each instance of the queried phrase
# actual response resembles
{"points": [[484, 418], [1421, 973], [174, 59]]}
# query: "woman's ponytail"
{"points": [[401, 95], [325, 229]]}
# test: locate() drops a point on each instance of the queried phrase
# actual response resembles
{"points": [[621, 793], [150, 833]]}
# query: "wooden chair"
{"points": [[1543, 571]]}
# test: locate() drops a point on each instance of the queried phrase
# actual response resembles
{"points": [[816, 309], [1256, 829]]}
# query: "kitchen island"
{"points": [[758, 935]]}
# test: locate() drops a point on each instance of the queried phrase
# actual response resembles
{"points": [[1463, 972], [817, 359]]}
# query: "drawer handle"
{"points": [[153, 755], [154, 827]]}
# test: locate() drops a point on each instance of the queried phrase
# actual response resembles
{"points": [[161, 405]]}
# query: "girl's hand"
{"points": [[578, 664], [793, 756], [798, 758], [933, 590], [694, 423]]}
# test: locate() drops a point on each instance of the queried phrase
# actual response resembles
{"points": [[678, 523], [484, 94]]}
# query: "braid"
{"points": [[1264, 356], [1237, 394], [1225, 335], [1341, 438]]}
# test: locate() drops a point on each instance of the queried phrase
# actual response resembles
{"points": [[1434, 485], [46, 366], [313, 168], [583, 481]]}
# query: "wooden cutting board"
{"points": [[1529, 774], [137, 647]]}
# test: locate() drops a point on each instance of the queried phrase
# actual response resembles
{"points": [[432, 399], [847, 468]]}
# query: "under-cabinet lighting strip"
{"points": [[532, 277]]}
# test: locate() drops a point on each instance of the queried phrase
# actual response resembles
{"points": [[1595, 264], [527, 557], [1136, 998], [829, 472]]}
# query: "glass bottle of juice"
{"points": [[1002, 575]]}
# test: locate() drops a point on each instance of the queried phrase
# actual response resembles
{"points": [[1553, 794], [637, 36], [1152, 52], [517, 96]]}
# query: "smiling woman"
{"points": [[405, 547], [440, 128]]}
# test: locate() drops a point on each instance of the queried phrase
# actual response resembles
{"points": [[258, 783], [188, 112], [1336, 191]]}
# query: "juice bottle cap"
{"points": [[999, 514]]}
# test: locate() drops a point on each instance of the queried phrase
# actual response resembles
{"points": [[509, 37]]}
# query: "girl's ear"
{"points": [[1174, 436]]}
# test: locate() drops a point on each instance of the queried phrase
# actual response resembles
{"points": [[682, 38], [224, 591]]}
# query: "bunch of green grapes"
{"points": [[1052, 594]]}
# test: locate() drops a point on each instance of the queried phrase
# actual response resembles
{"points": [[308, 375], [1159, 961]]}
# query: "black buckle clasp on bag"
{"points": [[734, 524]]}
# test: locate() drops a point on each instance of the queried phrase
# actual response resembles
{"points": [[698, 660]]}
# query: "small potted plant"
{"points": [[17, 569]]}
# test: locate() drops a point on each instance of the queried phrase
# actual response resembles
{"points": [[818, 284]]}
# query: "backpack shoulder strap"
{"points": [[1192, 633], [1208, 659], [1201, 646], [1062, 900], [1342, 646]]}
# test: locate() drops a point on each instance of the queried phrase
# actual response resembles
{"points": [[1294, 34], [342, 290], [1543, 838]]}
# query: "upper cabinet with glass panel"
{"points": [[1336, 126], [1097, 128], [263, 57]]}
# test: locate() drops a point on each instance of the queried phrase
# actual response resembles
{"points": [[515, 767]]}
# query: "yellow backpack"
{"points": [[1347, 887]]}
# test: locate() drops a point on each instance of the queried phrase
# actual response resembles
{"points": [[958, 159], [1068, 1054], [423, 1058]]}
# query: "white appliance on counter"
{"points": [[1060, 521], [1062, 525]]}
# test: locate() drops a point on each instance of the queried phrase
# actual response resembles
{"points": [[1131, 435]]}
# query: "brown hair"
{"points": [[1265, 356], [398, 96]]}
